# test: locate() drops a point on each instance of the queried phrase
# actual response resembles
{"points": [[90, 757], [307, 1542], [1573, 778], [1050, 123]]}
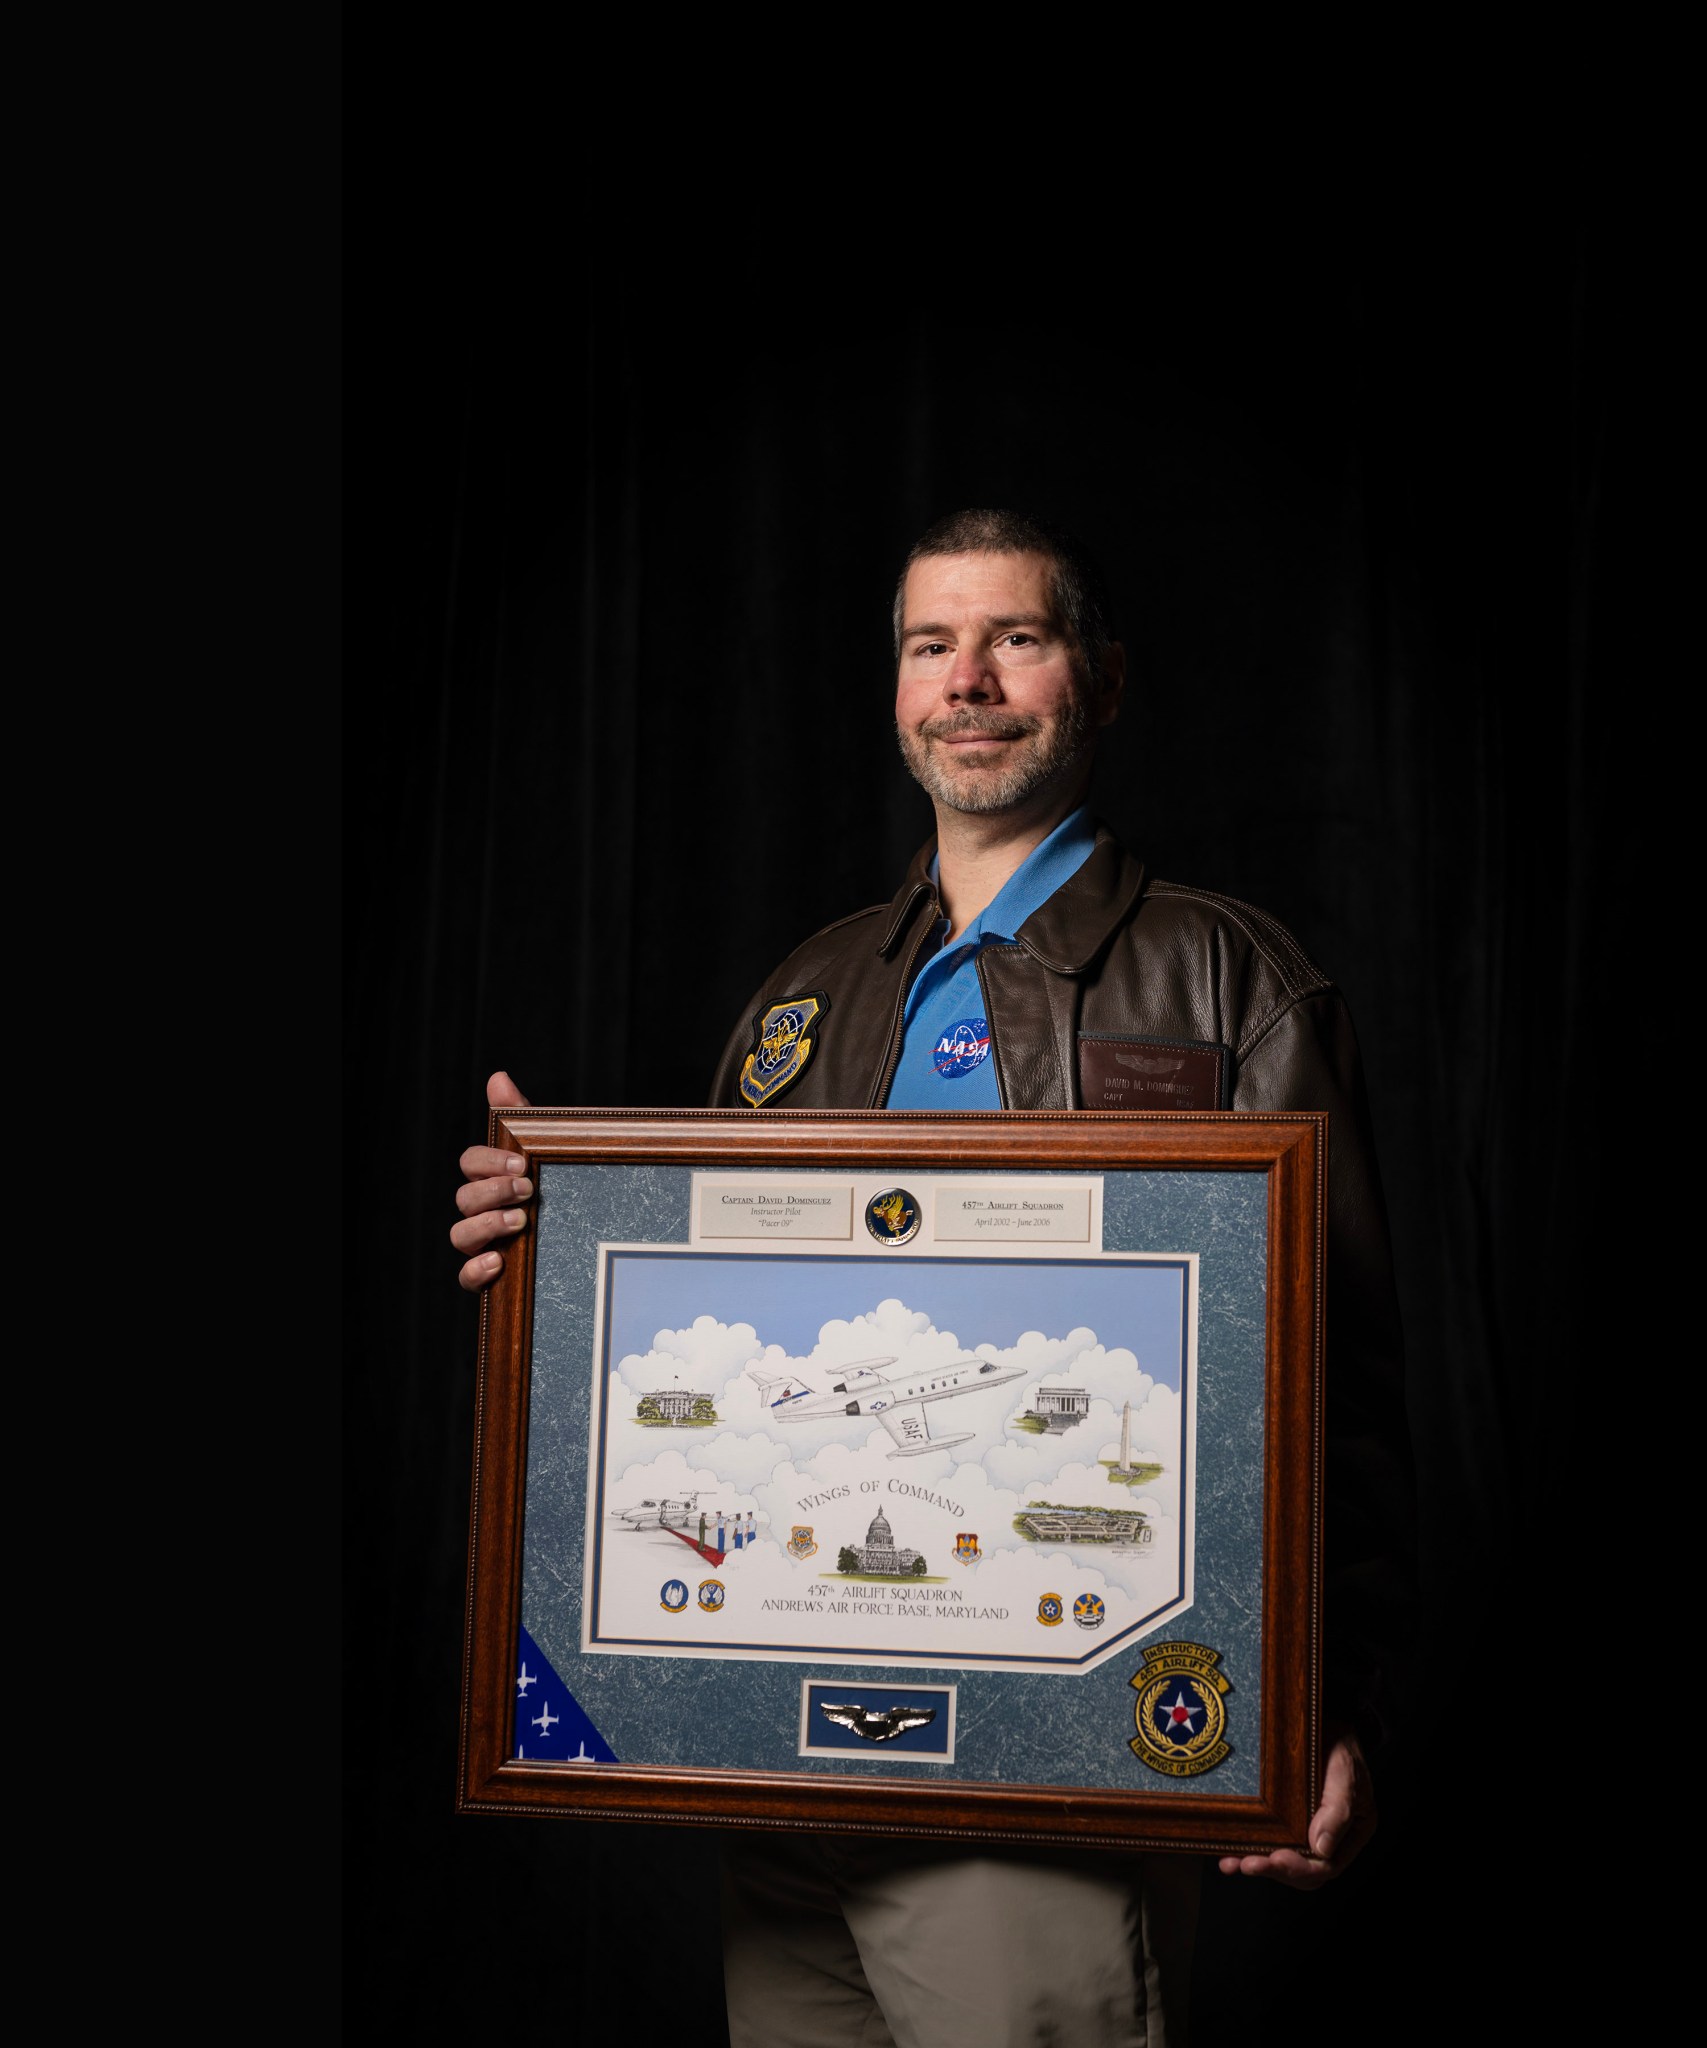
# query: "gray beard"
{"points": [[998, 787]]}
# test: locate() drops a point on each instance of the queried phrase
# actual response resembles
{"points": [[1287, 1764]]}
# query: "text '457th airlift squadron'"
{"points": [[897, 1400]]}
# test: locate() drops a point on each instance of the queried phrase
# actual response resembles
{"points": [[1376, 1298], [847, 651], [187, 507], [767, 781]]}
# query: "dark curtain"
{"points": [[625, 506]]}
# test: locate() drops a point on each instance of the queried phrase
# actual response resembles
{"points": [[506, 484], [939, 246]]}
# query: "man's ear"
{"points": [[1112, 684]]}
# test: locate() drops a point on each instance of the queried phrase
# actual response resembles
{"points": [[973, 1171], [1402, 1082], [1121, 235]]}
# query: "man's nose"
{"points": [[971, 678]]}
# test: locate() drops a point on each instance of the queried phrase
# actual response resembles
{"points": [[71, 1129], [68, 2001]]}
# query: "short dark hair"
{"points": [[1077, 589]]}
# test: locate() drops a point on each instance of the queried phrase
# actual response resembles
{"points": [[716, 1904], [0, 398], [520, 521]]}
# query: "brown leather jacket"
{"points": [[1217, 1006]]}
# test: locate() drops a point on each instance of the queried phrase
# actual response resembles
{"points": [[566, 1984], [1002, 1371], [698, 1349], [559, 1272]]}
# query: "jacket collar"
{"points": [[918, 887], [1066, 933]]}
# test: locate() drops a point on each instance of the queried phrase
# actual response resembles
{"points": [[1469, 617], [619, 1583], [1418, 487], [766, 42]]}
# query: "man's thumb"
{"points": [[502, 1093]]}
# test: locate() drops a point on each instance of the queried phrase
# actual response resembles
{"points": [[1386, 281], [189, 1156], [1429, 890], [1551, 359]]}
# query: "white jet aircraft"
{"points": [[896, 1399], [660, 1514]]}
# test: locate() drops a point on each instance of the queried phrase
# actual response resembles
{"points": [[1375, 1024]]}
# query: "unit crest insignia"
{"points": [[893, 1216], [672, 1596], [966, 1549], [1088, 1611], [1050, 1610], [781, 1046], [1181, 1720], [800, 1543], [711, 1594]]}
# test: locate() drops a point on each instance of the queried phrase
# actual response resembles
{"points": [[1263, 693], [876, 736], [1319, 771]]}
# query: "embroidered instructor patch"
{"points": [[781, 1046], [1181, 1721]]}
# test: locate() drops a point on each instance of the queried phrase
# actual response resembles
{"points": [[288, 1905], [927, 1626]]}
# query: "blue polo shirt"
{"points": [[945, 1049]]}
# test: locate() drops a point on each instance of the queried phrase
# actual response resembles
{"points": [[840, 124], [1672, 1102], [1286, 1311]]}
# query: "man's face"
{"points": [[991, 708]]}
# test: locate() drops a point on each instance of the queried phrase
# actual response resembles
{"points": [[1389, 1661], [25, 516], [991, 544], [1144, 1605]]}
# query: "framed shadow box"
{"points": [[950, 1475]]}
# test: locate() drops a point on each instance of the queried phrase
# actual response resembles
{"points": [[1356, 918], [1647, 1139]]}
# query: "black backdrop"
{"points": [[623, 517]]}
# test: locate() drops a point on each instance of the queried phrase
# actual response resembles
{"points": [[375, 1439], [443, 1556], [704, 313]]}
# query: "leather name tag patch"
{"points": [[1153, 1074]]}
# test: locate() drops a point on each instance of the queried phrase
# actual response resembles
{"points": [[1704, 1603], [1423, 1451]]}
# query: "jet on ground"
{"points": [[659, 1514]]}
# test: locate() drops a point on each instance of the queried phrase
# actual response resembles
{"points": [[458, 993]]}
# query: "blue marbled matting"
{"points": [[1017, 1728]]}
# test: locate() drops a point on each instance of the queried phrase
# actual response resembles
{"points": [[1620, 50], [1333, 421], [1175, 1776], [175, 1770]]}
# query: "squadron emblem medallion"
{"points": [[894, 1216]]}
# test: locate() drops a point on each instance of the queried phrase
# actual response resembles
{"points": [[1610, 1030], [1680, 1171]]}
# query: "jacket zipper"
{"points": [[990, 1020], [880, 1093]]}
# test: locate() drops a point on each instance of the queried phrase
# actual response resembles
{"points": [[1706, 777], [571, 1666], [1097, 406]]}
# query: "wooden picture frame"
{"points": [[1168, 1699]]}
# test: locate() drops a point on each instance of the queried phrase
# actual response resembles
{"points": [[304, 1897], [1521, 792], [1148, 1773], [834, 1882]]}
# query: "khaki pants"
{"points": [[851, 1943]]}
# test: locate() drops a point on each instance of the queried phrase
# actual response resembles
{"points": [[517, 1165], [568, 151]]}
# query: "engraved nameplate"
{"points": [[1146, 1073]]}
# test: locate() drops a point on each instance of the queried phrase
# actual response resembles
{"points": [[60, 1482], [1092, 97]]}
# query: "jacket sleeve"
{"points": [[1308, 1059]]}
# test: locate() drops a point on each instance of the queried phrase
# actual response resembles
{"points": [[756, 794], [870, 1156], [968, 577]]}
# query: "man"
{"points": [[1025, 952]]}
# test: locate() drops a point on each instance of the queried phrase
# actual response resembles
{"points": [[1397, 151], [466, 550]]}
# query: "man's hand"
{"points": [[1343, 1823], [490, 1194]]}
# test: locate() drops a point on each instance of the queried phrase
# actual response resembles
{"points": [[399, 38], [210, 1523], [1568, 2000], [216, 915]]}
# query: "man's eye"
{"points": [[1017, 639], [932, 647]]}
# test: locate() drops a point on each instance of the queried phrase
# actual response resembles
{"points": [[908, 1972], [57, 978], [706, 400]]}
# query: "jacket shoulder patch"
{"points": [[784, 1040]]}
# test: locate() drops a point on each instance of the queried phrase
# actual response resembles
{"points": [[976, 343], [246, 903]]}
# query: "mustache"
{"points": [[986, 725]]}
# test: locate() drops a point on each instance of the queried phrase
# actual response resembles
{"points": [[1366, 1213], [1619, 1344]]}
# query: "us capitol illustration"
{"points": [[879, 1554]]}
